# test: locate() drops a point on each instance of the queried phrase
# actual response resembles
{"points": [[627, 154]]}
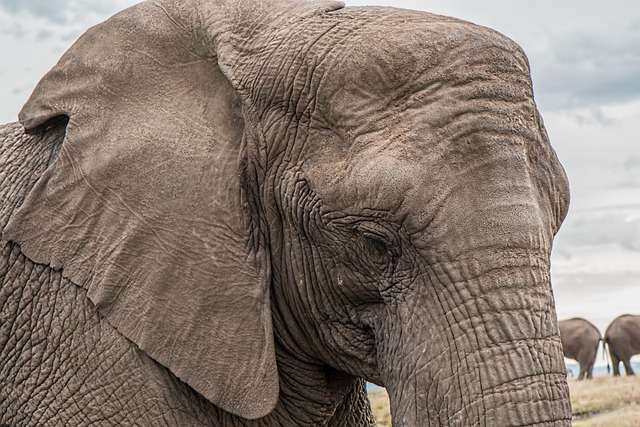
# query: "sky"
{"points": [[585, 62]]}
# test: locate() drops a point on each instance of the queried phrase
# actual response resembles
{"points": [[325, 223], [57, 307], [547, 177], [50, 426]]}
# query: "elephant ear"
{"points": [[149, 205]]}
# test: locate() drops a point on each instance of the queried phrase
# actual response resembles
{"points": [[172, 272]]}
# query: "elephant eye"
{"points": [[376, 240], [376, 244]]}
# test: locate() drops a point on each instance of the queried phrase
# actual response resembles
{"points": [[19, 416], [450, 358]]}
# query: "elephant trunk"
{"points": [[489, 354]]}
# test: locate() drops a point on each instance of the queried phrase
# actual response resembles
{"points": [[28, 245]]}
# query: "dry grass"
{"points": [[606, 401], [602, 401], [380, 406]]}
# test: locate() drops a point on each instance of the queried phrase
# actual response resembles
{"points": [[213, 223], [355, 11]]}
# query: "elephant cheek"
{"points": [[477, 348]]}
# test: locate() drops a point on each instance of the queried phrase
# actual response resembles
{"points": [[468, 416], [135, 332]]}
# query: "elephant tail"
{"points": [[605, 354]]}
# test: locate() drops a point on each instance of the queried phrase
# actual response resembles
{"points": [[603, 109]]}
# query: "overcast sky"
{"points": [[585, 60]]}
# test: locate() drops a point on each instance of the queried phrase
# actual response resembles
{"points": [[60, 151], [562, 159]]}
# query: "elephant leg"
{"points": [[583, 372], [590, 371], [615, 363], [627, 367], [591, 360]]}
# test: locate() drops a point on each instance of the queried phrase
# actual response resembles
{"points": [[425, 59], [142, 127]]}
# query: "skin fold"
{"points": [[623, 338], [248, 210], [64, 365], [580, 341]]}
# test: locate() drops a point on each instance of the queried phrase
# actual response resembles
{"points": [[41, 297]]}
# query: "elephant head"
{"points": [[370, 189]]}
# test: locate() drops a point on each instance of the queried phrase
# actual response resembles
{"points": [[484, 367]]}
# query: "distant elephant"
{"points": [[623, 338], [234, 213], [580, 341]]}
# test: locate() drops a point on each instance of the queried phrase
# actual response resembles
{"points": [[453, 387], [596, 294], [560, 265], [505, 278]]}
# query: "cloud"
{"points": [[12, 28], [64, 11], [590, 67], [608, 226], [44, 34], [599, 297], [53, 10]]}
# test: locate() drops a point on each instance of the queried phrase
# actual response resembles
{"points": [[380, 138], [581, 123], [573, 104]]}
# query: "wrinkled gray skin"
{"points": [[623, 338], [580, 341], [408, 201], [61, 364]]}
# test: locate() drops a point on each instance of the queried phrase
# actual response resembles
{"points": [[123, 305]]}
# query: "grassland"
{"points": [[606, 401], [380, 406], [600, 402]]}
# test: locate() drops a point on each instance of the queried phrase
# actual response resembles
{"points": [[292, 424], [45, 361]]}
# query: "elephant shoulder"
{"points": [[23, 158]]}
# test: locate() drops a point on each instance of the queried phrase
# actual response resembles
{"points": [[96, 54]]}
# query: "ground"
{"points": [[600, 402], [380, 406]]}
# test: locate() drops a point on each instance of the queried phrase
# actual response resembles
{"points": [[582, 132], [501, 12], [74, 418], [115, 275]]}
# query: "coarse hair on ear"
{"points": [[151, 205]]}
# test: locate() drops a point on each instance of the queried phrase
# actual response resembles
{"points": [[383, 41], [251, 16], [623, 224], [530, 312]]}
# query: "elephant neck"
{"points": [[311, 395]]}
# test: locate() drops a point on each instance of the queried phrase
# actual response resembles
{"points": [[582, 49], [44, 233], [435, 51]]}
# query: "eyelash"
{"points": [[376, 243], [380, 242]]}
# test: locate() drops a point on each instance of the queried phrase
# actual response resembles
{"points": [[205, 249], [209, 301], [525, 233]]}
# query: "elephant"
{"points": [[623, 338], [236, 213], [580, 341]]}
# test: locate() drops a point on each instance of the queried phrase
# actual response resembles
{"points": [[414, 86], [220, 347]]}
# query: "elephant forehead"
{"points": [[396, 59], [404, 178], [371, 181]]}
